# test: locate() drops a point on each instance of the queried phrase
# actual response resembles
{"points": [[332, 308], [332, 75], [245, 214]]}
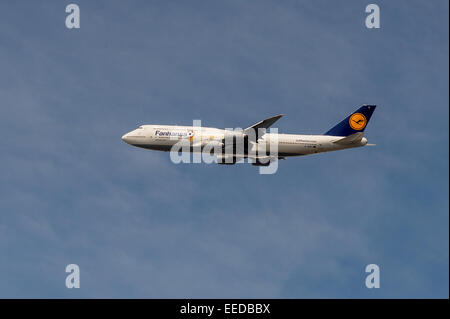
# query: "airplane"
{"points": [[253, 143]]}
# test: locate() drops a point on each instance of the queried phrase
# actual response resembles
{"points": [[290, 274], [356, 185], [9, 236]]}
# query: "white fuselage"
{"points": [[164, 137]]}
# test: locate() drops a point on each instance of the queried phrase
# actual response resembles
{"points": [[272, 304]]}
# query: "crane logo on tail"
{"points": [[357, 121]]}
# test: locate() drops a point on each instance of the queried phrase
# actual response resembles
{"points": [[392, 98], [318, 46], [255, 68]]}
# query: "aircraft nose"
{"points": [[125, 138]]}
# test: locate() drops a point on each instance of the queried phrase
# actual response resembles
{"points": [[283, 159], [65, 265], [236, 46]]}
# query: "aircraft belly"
{"points": [[291, 150], [159, 144]]}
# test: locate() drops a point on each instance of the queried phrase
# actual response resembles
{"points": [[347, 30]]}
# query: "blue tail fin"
{"points": [[354, 123]]}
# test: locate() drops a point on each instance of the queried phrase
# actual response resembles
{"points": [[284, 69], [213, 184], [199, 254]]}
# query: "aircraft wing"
{"points": [[264, 124]]}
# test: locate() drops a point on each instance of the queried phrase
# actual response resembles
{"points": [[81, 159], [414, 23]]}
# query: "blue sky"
{"points": [[139, 226]]}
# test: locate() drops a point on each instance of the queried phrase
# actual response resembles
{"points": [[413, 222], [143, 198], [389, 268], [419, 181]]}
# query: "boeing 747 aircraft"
{"points": [[254, 142]]}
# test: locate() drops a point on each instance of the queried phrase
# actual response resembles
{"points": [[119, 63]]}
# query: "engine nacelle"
{"points": [[262, 161], [235, 142], [226, 159]]}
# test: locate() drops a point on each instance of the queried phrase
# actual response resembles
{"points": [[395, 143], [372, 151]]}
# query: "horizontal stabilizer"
{"points": [[354, 138]]}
